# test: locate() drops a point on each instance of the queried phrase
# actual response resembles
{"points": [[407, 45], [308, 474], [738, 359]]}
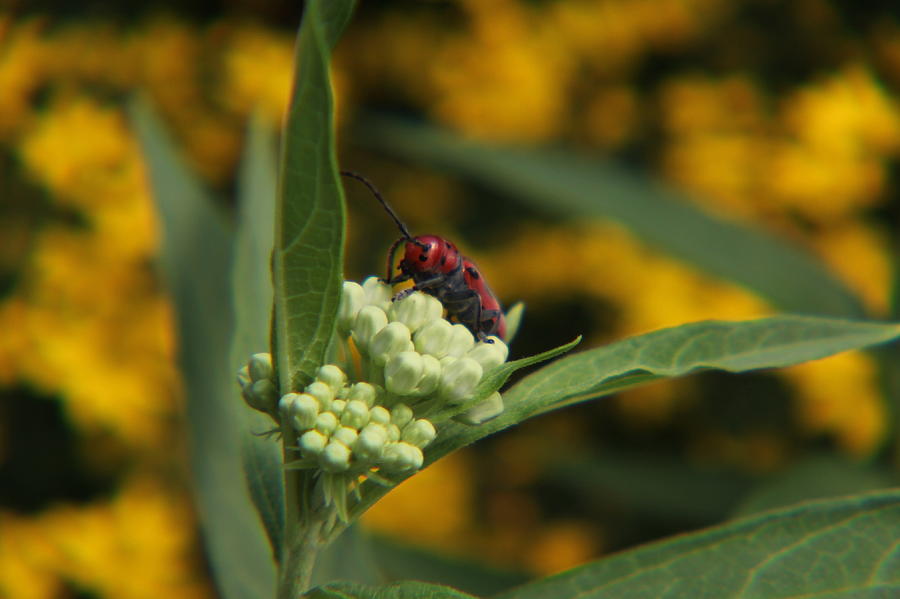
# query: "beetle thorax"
{"points": [[430, 253]]}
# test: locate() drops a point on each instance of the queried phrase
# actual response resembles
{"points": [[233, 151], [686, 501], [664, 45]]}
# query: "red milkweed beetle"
{"points": [[437, 268]]}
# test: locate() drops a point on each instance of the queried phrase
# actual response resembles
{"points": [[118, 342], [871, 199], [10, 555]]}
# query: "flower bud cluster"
{"points": [[258, 385], [409, 359], [408, 348], [342, 427]]}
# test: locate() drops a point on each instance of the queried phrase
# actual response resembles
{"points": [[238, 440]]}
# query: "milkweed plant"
{"points": [[347, 392]]}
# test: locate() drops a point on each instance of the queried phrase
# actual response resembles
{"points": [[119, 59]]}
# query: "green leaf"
{"points": [[400, 590], [721, 345], [733, 346], [514, 320], [575, 186], [817, 477], [309, 236], [845, 548], [196, 262], [252, 288], [307, 260]]}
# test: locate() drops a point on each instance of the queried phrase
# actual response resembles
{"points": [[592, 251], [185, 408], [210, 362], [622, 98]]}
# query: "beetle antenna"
{"points": [[381, 199]]}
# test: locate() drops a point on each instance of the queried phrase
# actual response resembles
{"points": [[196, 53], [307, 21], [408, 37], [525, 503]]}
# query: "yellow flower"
{"points": [[718, 148], [258, 67], [840, 396], [503, 79], [92, 53], [861, 257], [21, 72], [839, 134], [694, 105], [25, 560], [407, 512], [79, 150], [654, 405], [824, 186], [847, 112], [561, 545], [138, 545], [722, 170], [96, 332], [612, 116], [611, 35], [169, 54]]}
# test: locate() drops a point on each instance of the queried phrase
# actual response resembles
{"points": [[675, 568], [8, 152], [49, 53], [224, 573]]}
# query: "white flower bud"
{"points": [[304, 411], [369, 321], [398, 457], [370, 442], [389, 341], [401, 414], [434, 309], [393, 432], [431, 375], [486, 410], [312, 443], [363, 392], [419, 433], [264, 393], [243, 377], [434, 338], [321, 392], [260, 367], [377, 293], [461, 341], [352, 300], [332, 376], [345, 435], [337, 407], [335, 457], [403, 372], [379, 415], [489, 355], [355, 414], [458, 380], [326, 423], [286, 403], [249, 398], [415, 310]]}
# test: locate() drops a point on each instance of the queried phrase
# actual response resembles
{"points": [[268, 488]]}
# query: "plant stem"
{"points": [[305, 522], [300, 555]]}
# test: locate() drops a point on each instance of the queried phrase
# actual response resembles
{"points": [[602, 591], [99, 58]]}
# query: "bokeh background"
{"points": [[782, 115]]}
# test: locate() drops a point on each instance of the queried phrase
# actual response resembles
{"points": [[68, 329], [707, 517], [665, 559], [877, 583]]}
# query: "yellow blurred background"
{"points": [[780, 114]]}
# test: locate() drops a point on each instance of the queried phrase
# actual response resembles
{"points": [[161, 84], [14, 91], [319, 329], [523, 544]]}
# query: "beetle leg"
{"points": [[487, 316], [466, 306], [435, 281], [398, 279], [426, 285]]}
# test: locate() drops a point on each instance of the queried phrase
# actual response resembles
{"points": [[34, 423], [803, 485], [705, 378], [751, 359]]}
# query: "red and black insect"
{"points": [[437, 268]]}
